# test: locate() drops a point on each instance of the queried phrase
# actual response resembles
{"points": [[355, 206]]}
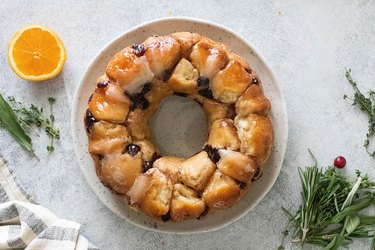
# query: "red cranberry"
{"points": [[103, 84], [203, 81], [132, 149], [339, 162], [206, 92], [138, 101], [166, 217], [89, 120], [213, 153], [139, 49]]}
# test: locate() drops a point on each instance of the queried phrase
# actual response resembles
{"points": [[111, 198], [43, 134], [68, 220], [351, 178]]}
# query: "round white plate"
{"points": [[272, 90]]}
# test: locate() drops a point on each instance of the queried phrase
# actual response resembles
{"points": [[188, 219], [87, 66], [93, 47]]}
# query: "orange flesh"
{"points": [[36, 52]]}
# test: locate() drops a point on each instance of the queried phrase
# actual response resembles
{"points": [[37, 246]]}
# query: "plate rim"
{"points": [[97, 57]]}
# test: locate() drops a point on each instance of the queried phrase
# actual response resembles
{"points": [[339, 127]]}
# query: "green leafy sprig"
{"points": [[330, 214], [9, 120], [34, 116], [367, 105]]}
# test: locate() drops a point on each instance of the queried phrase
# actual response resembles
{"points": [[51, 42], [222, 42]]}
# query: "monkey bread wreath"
{"points": [[240, 134]]}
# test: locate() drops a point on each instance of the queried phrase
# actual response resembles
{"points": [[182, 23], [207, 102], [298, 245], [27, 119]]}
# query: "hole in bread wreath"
{"points": [[133, 114]]}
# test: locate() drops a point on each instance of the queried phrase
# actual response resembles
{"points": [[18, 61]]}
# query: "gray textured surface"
{"points": [[307, 43]]}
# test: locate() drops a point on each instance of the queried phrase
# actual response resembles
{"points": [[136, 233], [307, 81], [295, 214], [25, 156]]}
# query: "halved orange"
{"points": [[36, 53]]}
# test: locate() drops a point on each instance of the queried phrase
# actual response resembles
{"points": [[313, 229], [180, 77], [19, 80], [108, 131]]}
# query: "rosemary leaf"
{"points": [[350, 210], [329, 214], [367, 220]]}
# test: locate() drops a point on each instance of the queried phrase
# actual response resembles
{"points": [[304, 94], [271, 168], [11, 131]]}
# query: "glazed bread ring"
{"points": [[240, 136]]}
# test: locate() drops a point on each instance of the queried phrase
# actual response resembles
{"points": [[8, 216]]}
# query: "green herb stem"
{"points": [[329, 213], [10, 121], [366, 104], [34, 116]]}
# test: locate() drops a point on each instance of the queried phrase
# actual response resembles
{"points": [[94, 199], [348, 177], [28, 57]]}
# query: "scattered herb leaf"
{"points": [[329, 213], [367, 105], [353, 222], [35, 116], [9, 120]]}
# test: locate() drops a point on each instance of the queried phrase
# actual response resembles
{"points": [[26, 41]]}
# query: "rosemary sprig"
{"points": [[329, 215], [35, 116], [367, 105]]}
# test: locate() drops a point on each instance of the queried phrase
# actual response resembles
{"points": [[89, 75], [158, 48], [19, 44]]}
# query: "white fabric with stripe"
{"points": [[30, 226]]}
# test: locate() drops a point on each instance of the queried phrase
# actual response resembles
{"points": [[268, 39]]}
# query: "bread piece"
{"points": [[256, 136], [253, 101], [109, 103], [136, 81], [236, 165], [130, 70], [184, 78], [241, 60], [185, 203], [152, 193], [187, 40], [208, 59], [222, 191], [169, 166], [137, 124], [138, 191], [105, 138], [228, 84], [119, 171], [162, 52], [196, 171], [215, 44], [215, 110], [223, 134], [147, 149]]}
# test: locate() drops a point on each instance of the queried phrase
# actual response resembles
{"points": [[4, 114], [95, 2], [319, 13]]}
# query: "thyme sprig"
{"points": [[331, 211], [367, 105], [35, 116]]}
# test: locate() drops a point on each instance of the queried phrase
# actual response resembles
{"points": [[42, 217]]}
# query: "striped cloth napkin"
{"points": [[30, 226]]}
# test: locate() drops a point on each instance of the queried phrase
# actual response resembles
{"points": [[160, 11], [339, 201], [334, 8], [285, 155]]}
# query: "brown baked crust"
{"points": [[253, 101], [185, 203], [223, 134], [187, 40], [256, 136], [208, 58], [169, 166], [119, 171], [157, 196], [162, 52], [228, 84], [184, 78], [215, 110], [237, 165], [196, 171], [105, 106], [221, 192], [238, 118], [105, 138], [129, 70]]}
